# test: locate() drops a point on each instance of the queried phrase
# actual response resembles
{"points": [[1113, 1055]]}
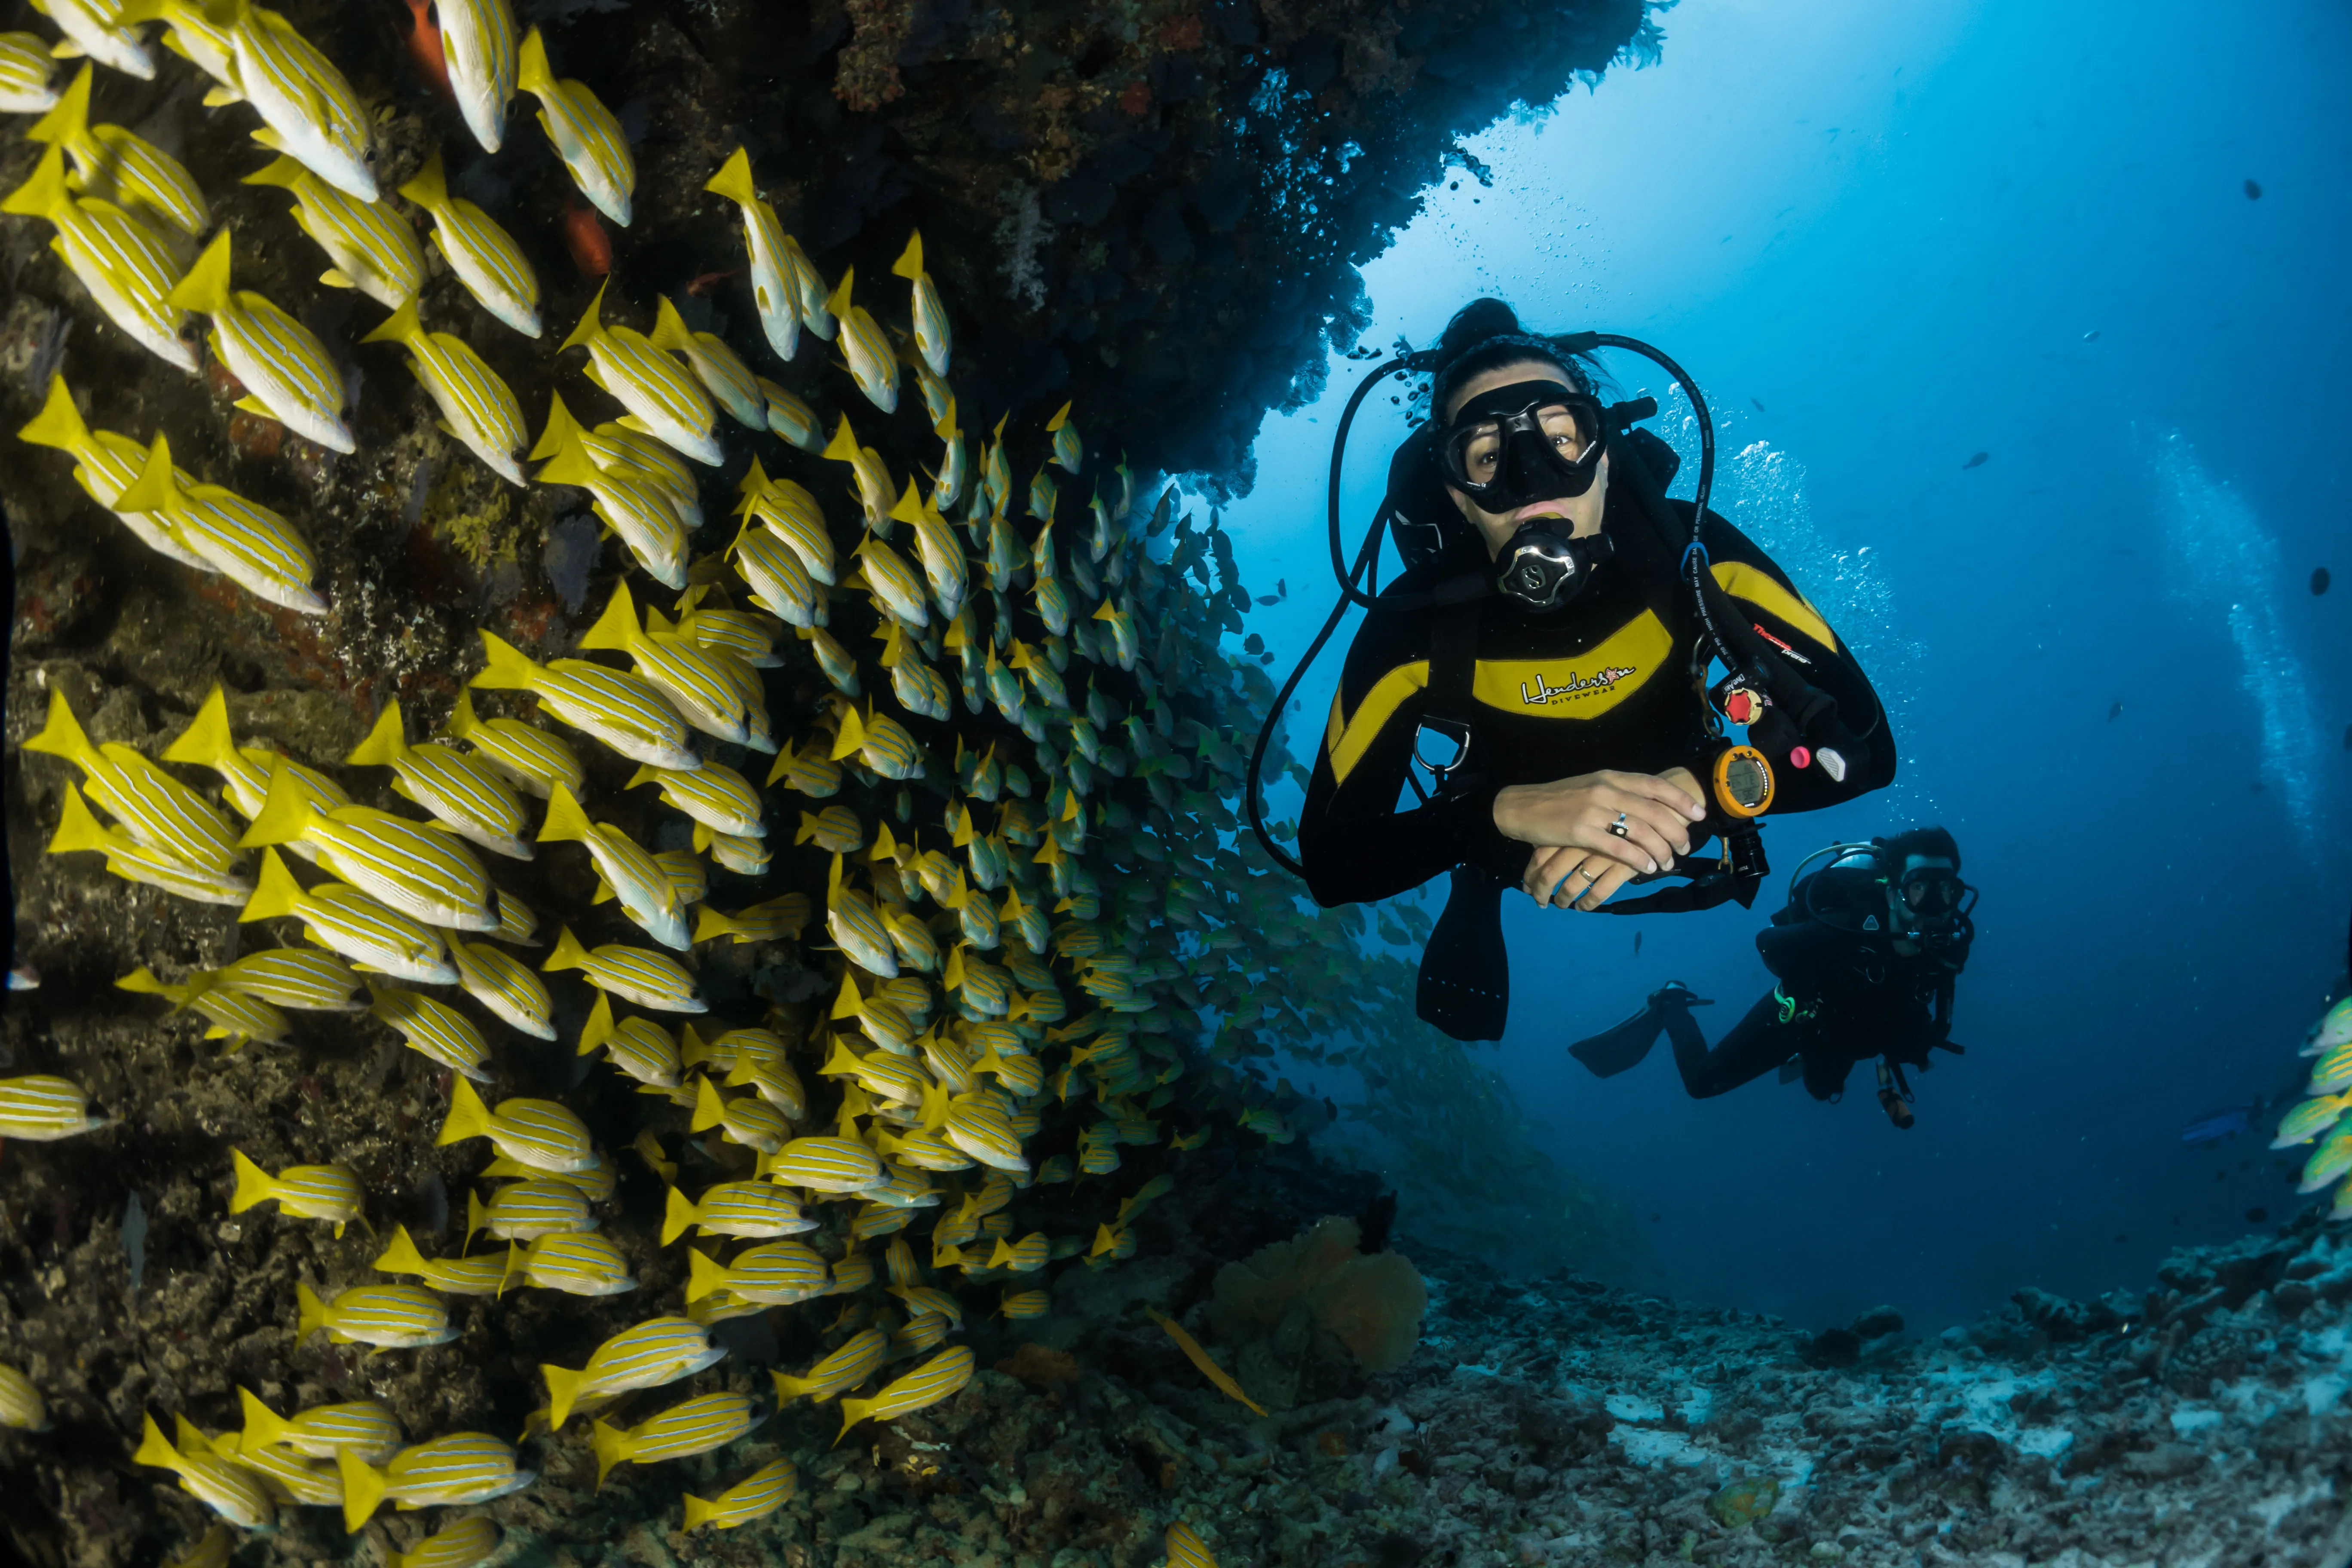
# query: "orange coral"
{"points": [[1040, 1367], [1369, 1307]]}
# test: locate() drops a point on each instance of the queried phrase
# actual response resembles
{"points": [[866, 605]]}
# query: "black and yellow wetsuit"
{"points": [[1606, 682]]}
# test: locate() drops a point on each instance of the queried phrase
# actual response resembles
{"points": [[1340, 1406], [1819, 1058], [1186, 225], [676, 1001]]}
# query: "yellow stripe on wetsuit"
{"points": [[1762, 589]]}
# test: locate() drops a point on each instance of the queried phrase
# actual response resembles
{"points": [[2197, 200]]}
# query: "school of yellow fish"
{"points": [[983, 976]]}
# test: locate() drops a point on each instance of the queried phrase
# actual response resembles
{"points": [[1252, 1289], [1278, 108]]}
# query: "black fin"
{"points": [[1465, 974], [1612, 1051]]}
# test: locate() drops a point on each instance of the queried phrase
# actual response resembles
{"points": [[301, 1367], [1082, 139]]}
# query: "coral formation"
{"points": [[1318, 1292]]}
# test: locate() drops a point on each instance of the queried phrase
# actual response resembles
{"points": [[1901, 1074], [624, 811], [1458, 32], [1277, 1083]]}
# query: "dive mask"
{"points": [[1930, 895], [1511, 446]]}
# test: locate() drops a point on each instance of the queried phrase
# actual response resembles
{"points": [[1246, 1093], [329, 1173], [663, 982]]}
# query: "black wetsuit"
{"points": [[1844, 996], [1604, 682]]}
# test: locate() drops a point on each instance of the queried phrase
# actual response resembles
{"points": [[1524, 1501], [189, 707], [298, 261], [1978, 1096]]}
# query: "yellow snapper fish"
{"points": [[646, 892], [580, 1263], [639, 1046], [433, 1029], [132, 861], [778, 579], [587, 134], [778, 1273], [713, 794], [535, 761], [407, 866], [721, 370], [322, 1431], [467, 1542], [746, 1120], [1185, 1548], [658, 1351], [895, 583], [697, 1426], [941, 1377], [539, 1133], [234, 1015], [750, 857], [236, 1493], [659, 391], [755, 1496], [634, 973], [105, 464], [626, 712], [157, 809], [462, 1467], [286, 371], [196, 37], [449, 1276], [840, 670], [477, 407], [867, 349], [128, 267], [880, 742], [245, 770], [855, 927], [292, 977], [25, 61], [372, 246], [790, 417], [836, 829], [478, 41], [947, 488], [931, 338], [120, 166], [2333, 1030], [765, 1070], [307, 107], [694, 681], [855, 1360], [42, 1109], [747, 1210], [1069, 449], [793, 515], [772, 290], [875, 493], [630, 502], [339, 916], [511, 992], [778, 919], [330, 1193], [99, 29], [250, 544], [600, 1183], [464, 792], [390, 1317], [809, 773], [826, 1164], [522, 1210], [942, 557], [482, 254], [750, 638]]}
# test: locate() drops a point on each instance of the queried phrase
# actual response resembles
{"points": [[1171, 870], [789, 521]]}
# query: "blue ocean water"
{"points": [[1886, 239]]}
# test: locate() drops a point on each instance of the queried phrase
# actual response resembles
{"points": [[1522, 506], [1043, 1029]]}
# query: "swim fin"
{"points": [[1615, 1050], [1465, 971]]}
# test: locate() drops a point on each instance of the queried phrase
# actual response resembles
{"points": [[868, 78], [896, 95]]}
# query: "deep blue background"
{"points": [[1880, 241]]}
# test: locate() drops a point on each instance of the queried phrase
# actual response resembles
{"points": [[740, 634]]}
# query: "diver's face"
{"points": [[1583, 512]]}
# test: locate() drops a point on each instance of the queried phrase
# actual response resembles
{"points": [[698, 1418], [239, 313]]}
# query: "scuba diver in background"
{"points": [[1867, 952], [1545, 656]]}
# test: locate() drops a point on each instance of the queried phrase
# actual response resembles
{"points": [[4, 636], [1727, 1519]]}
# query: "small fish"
{"points": [[482, 254], [2253, 190], [372, 246], [772, 284], [749, 1210], [467, 1542], [522, 1210], [157, 809], [982, 1129], [132, 861], [779, 579], [394, 1317], [931, 333], [306, 1192], [637, 974], [653, 386], [658, 1351], [1200, 1359], [748, 856], [211, 1552], [632, 503], [721, 370], [245, 770], [449, 1276], [856, 1359], [879, 741], [2330, 1070], [1069, 449], [1977, 460], [810, 774], [2329, 1161], [625, 712], [745, 1119], [941, 1377], [233, 1016], [286, 371], [433, 1029], [765, 1071], [756, 1496], [99, 29], [25, 63], [894, 582], [308, 107], [826, 1164], [636, 878], [462, 1467], [777, 1272], [2319, 581], [582, 1263], [639, 1046], [587, 135], [1186, 1549], [2333, 1030], [713, 794], [251, 545], [790, 417], [478, 44], [410, 868], [584, 236], [793, 514], [339, 916], [118, 165], [599, 1183], [539, 1133], [239, 1495], [292, 977], [687, 874], [476, 406], [875, 493], [509, 990], [2303, 1122], [697, 1426], [324, 1430], [695, 681], [41, 1109], [129, 269], [462, 792], [840, 670], [105, 464]]}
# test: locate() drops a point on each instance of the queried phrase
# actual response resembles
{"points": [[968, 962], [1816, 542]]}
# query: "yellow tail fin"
{"points": [[531, 74], [559, 424], [59, 424], [838, 301], [63, 736], [284, 172], [733, 182], [1061, 417], [562, 1390], [505, 667], [698, 1512], [399, 328], [670, 328], [67, 124], [206, 288], [45, 192], [157, 488], [708, 1109], [263, 1426], [566, 823], [78, 829], [568, 954], [468, 1118], [155, 1449], [312, 1312], [285, 816], [851, 736], [428, 189], [610, 1447], [617, 628], [571, 464], [703, 1275], [476, 1218], [599, 1026], [401, 1257], [275, 891], [363, 1486], [709, 923], [590, 324], [253, 1184], [678, 1217], [461, 718], [384, 744], [206, 742], [910, 260], [843, 448], [853, 1410]]}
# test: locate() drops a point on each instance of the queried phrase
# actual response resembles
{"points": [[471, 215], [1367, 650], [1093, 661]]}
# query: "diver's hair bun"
{"points": [[1485, 334], [1473, 324]]}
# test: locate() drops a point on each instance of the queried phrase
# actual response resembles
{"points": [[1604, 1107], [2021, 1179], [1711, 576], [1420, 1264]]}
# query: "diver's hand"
{"points": [[1568, 823]]}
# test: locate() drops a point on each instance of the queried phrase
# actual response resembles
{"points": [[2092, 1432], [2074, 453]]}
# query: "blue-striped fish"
{"points": [[477, 407], [856, 928], [134, 862], [372, 246], [509, 990], [776, 1272], [658, 1351], [234, 1015], [778, 919], [632, 503], [155, 808], [239, 1495], [245, 770], [895, 584], [836, 829], [748, 856], [620, 451], [539, 1133], [766, 1071], [840, 670], [467, 1542], [462, 792], [339, 916], [117, 165], [790, 417], [1127, 640], [687, 874], [25, 67], [826, 1164], [810, 774], [856, 1359], [772, 290], [286, 371], [293, 977], [941, 1377], [409, 866], [1018, 1304], [749, 638], [879, 741], [1069, 448], [756, 1496], [98, 28], [534, 760], [290, 1475], [194, 38], [637, 974], [721, 370], [42, 1109], [128, 267], [587, 136], [599, 1183], [625, 712], [580, 1263], [433, 1029], [881, 1073], [521, 1210], [749, 1210], [697, 1426], [395, 1317], [105, 464], [865, 346], [713, 794], [942, 557], [449, 1276], [639, 1046], [875, 493], [462, 1467], [655, 387], [309, 109], [793, 514], [1186, 1549], [744, 1118], [478, 41], [931, 336], [306, 1192], [251, 545], [363, 1426], [482, 254], [779, 579], [694, 681]]}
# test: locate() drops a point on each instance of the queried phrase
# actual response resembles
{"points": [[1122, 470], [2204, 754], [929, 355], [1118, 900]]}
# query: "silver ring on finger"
{"points": [[1618, 826]]}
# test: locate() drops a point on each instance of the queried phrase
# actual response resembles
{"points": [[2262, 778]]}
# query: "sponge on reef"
{"points": [[1367, 1308]]}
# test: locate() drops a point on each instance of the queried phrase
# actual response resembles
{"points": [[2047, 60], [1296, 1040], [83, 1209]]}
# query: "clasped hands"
{"points": [[1578, 861]]}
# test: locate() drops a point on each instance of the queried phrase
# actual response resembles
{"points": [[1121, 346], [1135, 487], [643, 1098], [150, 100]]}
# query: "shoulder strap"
{"points": [[1448, 706]]}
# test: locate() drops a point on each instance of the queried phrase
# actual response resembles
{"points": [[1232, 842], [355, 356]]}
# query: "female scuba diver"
{"points": [[1867, 952], [1545, 657]]}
